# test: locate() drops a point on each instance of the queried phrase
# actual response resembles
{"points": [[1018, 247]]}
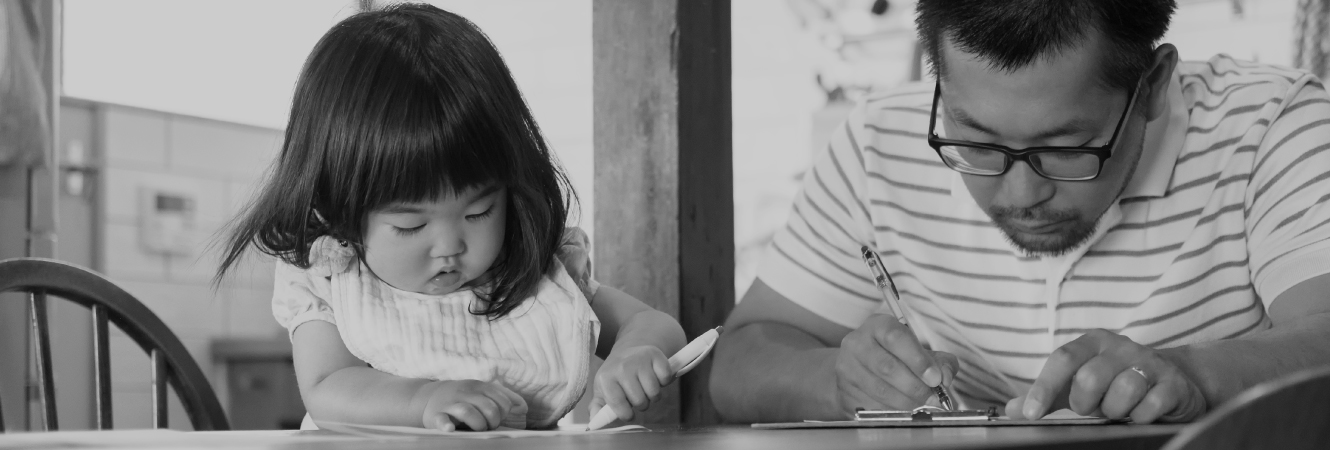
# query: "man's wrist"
{"points": [[1208, 381]]}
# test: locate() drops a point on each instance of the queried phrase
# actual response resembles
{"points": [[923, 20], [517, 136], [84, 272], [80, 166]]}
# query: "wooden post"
{"points": [[30, 32], [664, 197]]}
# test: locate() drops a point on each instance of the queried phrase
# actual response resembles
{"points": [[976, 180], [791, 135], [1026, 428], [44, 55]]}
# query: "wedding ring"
{"points": [[1140, 371]]}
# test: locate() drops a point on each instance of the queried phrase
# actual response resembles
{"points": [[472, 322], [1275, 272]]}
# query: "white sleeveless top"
{"points": [[541, 350]]}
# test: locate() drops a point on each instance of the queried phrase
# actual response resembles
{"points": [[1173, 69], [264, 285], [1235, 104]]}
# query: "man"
{"points": [[1074, 219]]}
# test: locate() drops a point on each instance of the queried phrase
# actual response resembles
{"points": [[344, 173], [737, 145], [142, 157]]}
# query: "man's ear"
{"points": [[1157, 79]]}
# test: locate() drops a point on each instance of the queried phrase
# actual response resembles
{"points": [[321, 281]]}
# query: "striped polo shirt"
{"points": [[1226, 210]]}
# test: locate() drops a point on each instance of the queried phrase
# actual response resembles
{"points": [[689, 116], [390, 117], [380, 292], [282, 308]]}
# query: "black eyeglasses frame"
{"points": [[1012, 155]]}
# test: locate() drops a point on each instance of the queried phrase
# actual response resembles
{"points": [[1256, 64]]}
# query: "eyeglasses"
{"points": [[1054, 163]]}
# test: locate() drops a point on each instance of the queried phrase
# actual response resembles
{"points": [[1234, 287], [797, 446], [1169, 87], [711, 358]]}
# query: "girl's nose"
{"points": [[448, 245]]}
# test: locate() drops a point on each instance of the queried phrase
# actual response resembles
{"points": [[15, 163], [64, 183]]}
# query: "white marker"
{"points": [[685, 360]]}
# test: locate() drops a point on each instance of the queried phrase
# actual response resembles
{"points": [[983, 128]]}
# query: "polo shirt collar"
{"points": [[1164, 137]]}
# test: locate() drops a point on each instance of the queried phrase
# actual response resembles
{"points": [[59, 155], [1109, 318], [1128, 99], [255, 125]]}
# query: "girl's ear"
{"points": [[1157, 79]]}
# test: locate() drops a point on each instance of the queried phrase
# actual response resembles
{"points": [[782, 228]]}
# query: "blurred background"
{"points": [[171, 112]]}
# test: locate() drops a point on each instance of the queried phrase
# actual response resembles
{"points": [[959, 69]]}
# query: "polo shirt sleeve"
{"points": [[814, 260], [1288, 218]]}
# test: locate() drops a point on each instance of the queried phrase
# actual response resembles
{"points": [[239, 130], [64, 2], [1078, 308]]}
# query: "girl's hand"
{"points": [[476, 404], [631, 379]]}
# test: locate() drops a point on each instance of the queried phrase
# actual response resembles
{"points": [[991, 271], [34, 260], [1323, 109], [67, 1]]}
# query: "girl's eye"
{"points": [[481, 216], [407, 231]]}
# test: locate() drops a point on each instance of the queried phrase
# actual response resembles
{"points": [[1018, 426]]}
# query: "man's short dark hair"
{"points": [[1011, 34]]}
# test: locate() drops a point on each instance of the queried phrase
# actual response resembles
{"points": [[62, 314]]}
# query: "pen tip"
{"points": [[720, 329]]}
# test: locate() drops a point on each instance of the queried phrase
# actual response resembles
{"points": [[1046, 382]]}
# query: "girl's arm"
{"points": [[635, 341], [627, 322], [336, 386]]}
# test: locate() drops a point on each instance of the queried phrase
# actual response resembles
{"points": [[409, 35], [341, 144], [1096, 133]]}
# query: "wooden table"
{"points": [[724, 437]]}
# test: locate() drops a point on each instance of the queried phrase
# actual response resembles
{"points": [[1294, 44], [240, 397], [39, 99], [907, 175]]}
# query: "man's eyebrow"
{"points": [[1071, 128]]}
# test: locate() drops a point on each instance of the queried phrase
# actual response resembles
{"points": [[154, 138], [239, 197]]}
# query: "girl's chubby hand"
{"points": [[478, 405], [630, 380]]}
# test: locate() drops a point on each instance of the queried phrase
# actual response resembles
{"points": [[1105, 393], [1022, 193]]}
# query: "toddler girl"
{"points": [[425, 275]]}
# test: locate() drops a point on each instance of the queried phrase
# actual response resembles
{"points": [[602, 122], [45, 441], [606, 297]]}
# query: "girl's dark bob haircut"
{"points": [[410, 103]]}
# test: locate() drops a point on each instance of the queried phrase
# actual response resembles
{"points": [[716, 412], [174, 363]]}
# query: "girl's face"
{"points": [[437, 247]]}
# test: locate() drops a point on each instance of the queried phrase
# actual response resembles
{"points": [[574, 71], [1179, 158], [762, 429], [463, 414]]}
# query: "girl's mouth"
{"points": [[446, 280]]}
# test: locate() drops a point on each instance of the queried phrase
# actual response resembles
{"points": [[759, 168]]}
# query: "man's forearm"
{"points": [[772, 372], [1222, 369]]}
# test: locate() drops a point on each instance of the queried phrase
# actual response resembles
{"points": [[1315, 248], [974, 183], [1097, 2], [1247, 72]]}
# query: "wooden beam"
{"points": [[31, 30], [664, 202]]}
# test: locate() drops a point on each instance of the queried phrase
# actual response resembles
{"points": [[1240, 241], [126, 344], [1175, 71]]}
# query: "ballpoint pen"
{"points": [[892, 297]]}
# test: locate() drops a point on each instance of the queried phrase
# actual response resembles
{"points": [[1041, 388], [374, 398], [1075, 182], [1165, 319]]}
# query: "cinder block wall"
{"points": [[218, 164]]}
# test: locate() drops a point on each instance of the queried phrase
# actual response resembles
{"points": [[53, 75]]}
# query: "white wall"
{"points": [[217, 165]]}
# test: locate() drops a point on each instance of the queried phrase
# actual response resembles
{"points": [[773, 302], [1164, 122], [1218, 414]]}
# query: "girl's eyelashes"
{"points": [[482, 216], [407, 231]]}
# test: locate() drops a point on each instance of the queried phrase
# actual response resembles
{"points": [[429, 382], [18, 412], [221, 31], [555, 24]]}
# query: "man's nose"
{"points": [[1023, 188]]}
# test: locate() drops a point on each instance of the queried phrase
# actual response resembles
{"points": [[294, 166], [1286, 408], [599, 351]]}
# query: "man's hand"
{"points": [[881, 365], [1106, 374]]}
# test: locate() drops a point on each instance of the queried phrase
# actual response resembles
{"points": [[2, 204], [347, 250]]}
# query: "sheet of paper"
{"points": [[387, 431]]}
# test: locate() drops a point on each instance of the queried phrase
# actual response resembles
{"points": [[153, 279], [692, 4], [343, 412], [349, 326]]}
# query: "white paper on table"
{"points": [[389, 431]]}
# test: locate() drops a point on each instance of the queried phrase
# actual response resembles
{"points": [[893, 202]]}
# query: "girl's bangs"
{"points": [[429, 147]]}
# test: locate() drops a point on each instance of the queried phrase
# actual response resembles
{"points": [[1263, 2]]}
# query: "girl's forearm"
{"points": [[367, 396]]}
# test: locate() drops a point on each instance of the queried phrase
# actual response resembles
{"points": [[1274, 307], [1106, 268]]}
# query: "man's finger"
{"points": [[1156, 402], [898, 340], [1056, 377], [1015, 407], [950, 364], [1091, 383], [888, 379], [1126, 391], [858, 399]]}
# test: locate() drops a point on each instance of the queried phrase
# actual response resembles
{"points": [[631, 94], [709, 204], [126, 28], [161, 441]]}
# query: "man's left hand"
{"points": [[1108, 375]]}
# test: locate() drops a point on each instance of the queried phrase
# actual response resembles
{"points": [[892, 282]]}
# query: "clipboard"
{"points": [[932, 416]]}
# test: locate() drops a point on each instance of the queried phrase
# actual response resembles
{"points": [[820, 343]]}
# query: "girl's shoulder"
{"points": [[575, 255], [328, 257]]}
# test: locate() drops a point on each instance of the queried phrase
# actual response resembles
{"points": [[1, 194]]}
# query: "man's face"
{"points": [[1057, 100]]}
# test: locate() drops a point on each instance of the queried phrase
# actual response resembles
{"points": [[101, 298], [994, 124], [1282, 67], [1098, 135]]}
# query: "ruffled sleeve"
{"points": [[575, 254], [299, 295]]}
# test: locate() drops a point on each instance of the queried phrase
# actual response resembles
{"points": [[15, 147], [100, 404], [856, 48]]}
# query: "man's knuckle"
{"points": [[1062, 354], [1086, 377]]}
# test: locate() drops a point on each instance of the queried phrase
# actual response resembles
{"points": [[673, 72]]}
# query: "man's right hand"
{"points": [[881, 365]]}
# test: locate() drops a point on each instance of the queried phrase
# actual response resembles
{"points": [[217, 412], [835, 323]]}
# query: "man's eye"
{"points": [[408, 231]]}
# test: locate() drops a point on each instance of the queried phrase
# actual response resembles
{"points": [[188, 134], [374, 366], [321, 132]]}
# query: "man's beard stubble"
{"points": [[1081, 230]]}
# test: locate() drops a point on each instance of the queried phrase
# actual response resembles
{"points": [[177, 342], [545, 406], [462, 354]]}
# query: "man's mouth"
{"points": [[1035, 226]]}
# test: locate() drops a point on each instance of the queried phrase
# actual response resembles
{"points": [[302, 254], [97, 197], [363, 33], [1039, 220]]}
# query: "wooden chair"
{"points": [[1289, 413], [109, 304]]}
